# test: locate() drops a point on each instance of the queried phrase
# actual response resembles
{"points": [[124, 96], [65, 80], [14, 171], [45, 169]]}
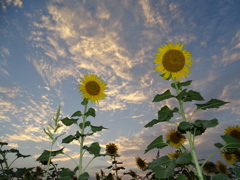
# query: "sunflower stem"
{"points": [[84, 117], [189, 135], [211, 155]]}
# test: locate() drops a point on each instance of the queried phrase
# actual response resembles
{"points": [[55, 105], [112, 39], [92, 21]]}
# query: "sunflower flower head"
{"points": [[234, 131], [98, 176], [221, 168], [92, 87], [133, 173], [141, 163], [112, 149], [175, 138], [173, 62], [174, 154], [210, 168], [229, 156]]}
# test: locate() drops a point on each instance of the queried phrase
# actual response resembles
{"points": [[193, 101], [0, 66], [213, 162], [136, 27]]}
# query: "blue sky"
{"points": [[46, 46]]}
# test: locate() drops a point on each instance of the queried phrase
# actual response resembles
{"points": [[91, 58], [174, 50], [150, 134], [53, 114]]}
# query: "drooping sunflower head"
{"points": [[221, 168], [234, 131], [92, 87], [174, 154], [229, 156], [175, 138], [111, 148], [141, 163], [210, 168], [133, 173], [173, 61], [98, 176]]}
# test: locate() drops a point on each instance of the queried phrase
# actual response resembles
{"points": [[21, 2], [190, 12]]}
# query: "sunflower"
{"points": [[141, 163], [173, 61], [133, 173], [210, 168], [175, 138], [229, 156], [111, 148], [234, 131], [221, 168], [174, 155], [98, 176], [92, 88]]}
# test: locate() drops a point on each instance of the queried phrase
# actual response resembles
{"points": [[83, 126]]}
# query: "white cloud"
{"points": [[232, 54], [228, 94], [10, 92], [5, 3], [4, 53]]}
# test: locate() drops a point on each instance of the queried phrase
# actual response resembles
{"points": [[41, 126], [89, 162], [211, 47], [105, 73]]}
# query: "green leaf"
{"points": [[182, 94], [237, 172], [192, 95], [45, 155], [162, 161], [58, 113], [13, 150], [157, 143], [213, 103], [207, 123], [66, 174], [151, 123], [84, 102], [68, 139], [185, 126], [94, 149], [232, 143], [184, 158], [160, 97], [21, 171], [218, 145], [84, 176], [220, 177], [165, 113], [87, 123], [3, 143], [77, 114], [161, 173], [180, 84], [97, 128], [201, 125], [78, 135], [181, 177], [90, 112], [23, 156], [68, 122], [48, 132]]}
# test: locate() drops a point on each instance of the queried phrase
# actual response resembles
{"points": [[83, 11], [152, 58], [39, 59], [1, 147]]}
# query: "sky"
{"points": [[47, 45]]}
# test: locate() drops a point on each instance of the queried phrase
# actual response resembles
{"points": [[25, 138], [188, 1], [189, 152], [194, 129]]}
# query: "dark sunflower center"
{"points": [[228, 156], [176, 155], [141, 163], [112, 150], [173, 60], [92, 88], [175, 137], [235, 134]]}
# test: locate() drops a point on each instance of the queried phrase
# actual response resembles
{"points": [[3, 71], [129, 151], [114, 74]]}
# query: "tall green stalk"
{"points": [[80, 167], [189, 135]]}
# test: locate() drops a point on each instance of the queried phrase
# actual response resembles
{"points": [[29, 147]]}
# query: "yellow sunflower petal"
{"points": [[92, 88], [174, 60], [175, 138]]}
